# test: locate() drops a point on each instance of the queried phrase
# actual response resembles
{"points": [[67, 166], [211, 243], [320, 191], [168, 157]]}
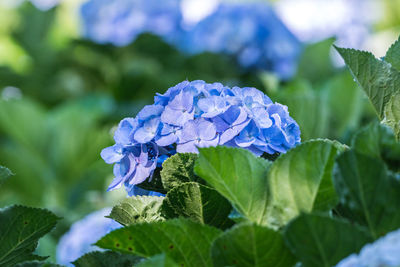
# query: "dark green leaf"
{"points": [[393, 55], [377, 140], [178, 169], [107, 259], [322, 241], [251, 245], [137, 209], [377, 78], [301, 181], [185, 241], [155, 184], [37, 264], [197, 202], [4, 174], [160, 260], [20, 229], [368, 191], [239, 176]]}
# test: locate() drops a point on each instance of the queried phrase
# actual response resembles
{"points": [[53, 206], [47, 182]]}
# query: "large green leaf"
{"points": [[392, 114], [301, 181], [20, 229], [4, 174], [160, 260], [251, 245], [106, 259], [199, 203], [322, 241], [37, 264], [368, 191], [137, 209], [185, 241], [377, 140], [393, 55], [178, 169], [377, 78], [239, 176]]}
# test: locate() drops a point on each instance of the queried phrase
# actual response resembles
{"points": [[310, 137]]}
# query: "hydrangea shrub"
{"points": [[119, 22], [197, 114], [250, 31]]}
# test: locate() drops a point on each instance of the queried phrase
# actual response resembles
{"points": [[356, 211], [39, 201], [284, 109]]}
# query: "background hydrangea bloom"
{"points": [[383, 252], [120, 21], [83, 234], [197, 114], [252, 32]]}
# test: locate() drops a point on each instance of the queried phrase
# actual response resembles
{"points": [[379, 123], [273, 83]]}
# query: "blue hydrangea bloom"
{"points": [[83, 234], [252, 32], [197, 114], [383, 252], [119, 22]]}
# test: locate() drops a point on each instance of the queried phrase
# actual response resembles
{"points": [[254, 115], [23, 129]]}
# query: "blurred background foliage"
{"points": [[60, 95]]}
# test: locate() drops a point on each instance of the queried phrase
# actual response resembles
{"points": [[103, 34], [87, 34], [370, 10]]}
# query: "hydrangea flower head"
{"points": [[83, 234], [120, 21], [252, 32], [383, 252], [197, 114]]}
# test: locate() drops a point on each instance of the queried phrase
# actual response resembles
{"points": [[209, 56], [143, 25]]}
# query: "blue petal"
{"points": [[112, 154]]}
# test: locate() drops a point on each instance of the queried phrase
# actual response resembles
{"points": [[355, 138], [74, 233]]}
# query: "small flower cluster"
{"points": [[252, 32], [120, 21], [383, 252], [197, 114], [83, 234]]}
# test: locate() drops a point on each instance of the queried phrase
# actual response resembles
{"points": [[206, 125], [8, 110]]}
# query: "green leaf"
{"points": [[155, 184], [137, 209], [315, 64], [20, 229], [377, 140], [377, 78], [160, 260], [185, 241], [392, 114], [368, 191], [239, 176], [251, 245], [107, 259], [178, 169], [4, 174], [393, 55], [37, 264], [301, 181], [322, 241], [199, 203]]}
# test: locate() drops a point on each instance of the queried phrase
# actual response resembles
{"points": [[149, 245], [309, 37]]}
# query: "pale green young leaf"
{"points": [[137, 209]]}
